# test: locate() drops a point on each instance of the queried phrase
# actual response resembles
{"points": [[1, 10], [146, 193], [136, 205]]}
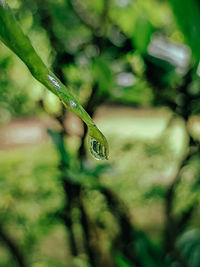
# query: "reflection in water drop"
{"points": [[97, 150], [72, 104], [54, 81]]}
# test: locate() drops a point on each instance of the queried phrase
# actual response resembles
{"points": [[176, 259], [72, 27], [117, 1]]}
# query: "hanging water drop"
{"points": [[97, 149]]}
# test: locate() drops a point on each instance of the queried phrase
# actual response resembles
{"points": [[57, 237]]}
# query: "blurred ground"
{"points": [[134, 123]]}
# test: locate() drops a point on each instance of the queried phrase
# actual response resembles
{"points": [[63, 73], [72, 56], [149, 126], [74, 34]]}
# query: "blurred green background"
{"points": [[134, 66]]}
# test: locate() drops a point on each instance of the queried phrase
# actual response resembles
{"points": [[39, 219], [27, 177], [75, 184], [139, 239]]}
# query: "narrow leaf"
{"points": [[13, 37]]}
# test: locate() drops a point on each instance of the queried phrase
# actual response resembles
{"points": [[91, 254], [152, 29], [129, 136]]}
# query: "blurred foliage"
{"points": [[141, 208], [190, 25]]}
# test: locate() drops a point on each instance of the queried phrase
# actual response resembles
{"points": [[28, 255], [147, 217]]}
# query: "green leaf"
{"points": [[121, 261], [189, 245], [13, 37], [142, 33], [103, 75], [187, 13]]}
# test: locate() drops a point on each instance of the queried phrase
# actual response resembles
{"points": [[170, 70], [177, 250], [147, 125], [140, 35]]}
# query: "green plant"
{"points": [[13, 37]]}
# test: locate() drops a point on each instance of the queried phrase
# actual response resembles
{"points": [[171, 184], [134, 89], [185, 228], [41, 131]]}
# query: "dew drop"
{"points": [[97, 150], [54, 81], [72, 104]]}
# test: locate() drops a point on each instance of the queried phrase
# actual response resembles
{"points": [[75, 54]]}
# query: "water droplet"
{"points": [[72, 104], [97, 150], [54, 81]]}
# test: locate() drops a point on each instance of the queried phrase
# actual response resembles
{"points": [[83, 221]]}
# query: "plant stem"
{"points": [[14, 249]]}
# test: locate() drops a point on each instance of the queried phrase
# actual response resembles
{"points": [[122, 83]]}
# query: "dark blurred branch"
{"points": [[126, 235], [171, 223], [177, 224], [71, 190], [14, 249], [184, 218], [91, 237], [183, 109], [170, 194], [73, 198]]}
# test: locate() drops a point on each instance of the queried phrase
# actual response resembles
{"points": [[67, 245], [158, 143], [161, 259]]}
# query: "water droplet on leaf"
{"points": [[72, 104], [54, 81], [97, 150]]}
